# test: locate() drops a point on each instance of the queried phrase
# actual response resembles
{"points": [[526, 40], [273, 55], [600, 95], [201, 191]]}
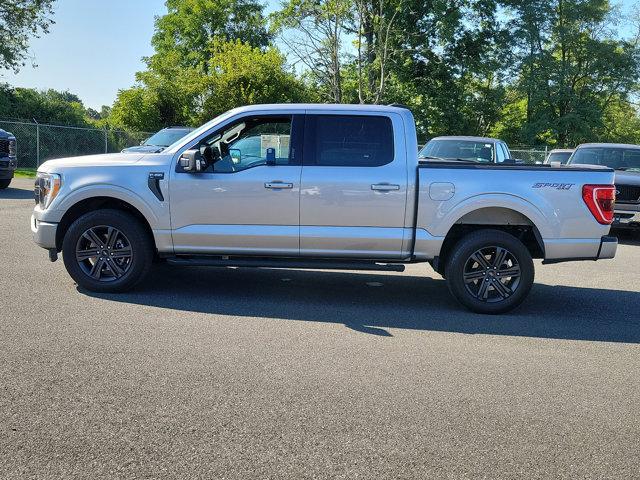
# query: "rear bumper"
{"points": [[44, 233], [607, 248]]}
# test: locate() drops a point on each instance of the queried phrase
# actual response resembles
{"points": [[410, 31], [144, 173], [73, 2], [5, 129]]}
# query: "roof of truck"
{"points": [[320, 107], [468, 137], [608, 145]]}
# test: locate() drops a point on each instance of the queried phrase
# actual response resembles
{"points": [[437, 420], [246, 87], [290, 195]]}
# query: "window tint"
{"points": [[249, 143], [348, 141]]}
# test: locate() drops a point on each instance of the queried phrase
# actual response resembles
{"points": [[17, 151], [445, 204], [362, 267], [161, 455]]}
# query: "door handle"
{"points": [[278, 185], [385, 187]]}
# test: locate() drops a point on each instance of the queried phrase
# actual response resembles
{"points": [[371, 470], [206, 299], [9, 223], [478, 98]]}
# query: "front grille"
{"points": [[628, 193], [4, 148], [4, 163]]}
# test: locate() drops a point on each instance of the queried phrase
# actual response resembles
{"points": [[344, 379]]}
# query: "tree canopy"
{"points": [[19, 21]]}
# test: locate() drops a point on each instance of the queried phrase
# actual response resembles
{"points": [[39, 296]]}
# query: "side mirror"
{"points": [[236, 155], [191, 161]]}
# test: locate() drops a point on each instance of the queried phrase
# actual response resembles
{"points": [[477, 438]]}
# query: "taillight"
{"points": [[600, 199]]}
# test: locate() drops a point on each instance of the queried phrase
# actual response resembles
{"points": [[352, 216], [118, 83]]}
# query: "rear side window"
{"points": [[348, 141]]}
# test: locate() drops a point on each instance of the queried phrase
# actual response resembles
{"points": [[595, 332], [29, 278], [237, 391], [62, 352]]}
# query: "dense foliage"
{"points": [[534, 72], [20, 20]]}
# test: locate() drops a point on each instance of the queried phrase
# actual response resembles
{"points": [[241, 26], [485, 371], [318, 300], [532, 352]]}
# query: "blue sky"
{"points": [[95, 48]]}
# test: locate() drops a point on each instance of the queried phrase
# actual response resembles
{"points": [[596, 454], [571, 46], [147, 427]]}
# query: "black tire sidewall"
{"points": [[470, 244], [141, 247], [5, 183]]}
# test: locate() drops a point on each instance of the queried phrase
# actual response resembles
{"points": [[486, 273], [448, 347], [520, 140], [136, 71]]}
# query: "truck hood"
{"points": [[627, 177], [144, 149], [106, 160]]}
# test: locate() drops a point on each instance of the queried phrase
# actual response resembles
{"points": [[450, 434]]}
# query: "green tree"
{"points": [[19, 21]]}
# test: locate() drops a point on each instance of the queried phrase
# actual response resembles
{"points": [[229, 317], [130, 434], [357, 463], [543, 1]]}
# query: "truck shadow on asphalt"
{"points": [[375, 303], [16, 194]]}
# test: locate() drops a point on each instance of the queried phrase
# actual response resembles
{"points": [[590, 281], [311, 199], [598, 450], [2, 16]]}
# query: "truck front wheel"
{"points": [[489, 271], [4, 183], [107, 251]]}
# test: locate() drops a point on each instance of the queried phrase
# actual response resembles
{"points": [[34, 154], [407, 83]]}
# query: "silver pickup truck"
{"points": [[324, 187]]}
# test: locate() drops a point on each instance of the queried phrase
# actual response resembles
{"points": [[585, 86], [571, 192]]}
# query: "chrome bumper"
{"points": [[44, 233]]}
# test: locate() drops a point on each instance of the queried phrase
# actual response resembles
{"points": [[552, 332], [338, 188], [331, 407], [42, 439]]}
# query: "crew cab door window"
{"points": [[348, 141], [250, 143]]}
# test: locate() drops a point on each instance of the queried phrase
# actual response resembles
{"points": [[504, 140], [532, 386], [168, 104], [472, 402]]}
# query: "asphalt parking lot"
{"points": [[212, 373]]}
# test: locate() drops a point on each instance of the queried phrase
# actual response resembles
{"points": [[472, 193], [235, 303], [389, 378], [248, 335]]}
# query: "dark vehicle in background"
{"points": [[559, 155], [8, 160], [625, 160], [474, 149], [159, 141]]}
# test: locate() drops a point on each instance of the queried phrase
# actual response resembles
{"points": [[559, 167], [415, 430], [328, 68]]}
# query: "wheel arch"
{"points": [[91, 204], [500, 218]]}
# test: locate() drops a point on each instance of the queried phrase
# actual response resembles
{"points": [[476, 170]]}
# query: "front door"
{"points": [[354, 186], [247, 199]]}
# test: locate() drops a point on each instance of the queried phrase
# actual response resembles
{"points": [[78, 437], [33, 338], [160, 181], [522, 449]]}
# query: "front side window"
{"points": [[612, 157], [450, 149], [248, 143], [348, 141]]}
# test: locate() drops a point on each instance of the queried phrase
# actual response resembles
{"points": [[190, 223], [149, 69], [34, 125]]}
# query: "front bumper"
{"points": [[7, 167], [44, 233]]}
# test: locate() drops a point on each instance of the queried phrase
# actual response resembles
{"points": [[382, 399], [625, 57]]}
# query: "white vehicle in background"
{"points": [[559, 156], [476, 149]]}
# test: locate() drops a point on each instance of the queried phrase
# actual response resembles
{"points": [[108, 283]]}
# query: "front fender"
{"points": [[63, 204]]}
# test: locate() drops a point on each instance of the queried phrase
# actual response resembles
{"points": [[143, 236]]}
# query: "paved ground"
{"points": [[290, 374]]}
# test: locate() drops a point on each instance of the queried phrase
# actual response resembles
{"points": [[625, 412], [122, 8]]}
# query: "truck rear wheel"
{"points": [[107, 251], [4, 183], [489, 271]]}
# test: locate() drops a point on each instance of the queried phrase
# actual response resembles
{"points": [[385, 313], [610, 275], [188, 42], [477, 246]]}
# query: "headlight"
{"points": [[47, 188], [12, 147]]}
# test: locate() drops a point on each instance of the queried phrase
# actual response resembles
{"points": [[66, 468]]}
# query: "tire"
{"points": [[489, 271], [107, 251], [4, 183]]}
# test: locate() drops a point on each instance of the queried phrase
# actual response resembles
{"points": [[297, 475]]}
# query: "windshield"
{"points": [[561, 157], [612, 157], [458, 149], [166, 137]]}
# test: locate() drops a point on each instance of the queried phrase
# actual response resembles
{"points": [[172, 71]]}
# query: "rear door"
{"points": [[353, 190]]}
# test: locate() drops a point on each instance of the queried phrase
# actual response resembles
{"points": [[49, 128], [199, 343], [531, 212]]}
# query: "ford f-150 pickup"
{"points": [[324, 187]]}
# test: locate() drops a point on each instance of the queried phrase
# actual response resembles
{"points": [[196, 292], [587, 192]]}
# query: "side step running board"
{"points": [[198, 261]]}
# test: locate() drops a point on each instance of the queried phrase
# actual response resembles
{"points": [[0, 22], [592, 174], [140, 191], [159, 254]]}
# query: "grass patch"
{"points": [[25, 173]]}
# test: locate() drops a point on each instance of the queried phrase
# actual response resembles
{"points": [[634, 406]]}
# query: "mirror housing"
{"points": [[191, 161]]}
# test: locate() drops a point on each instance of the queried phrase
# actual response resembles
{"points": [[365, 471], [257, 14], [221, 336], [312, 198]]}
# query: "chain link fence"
{"points": [[39, 142]]}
